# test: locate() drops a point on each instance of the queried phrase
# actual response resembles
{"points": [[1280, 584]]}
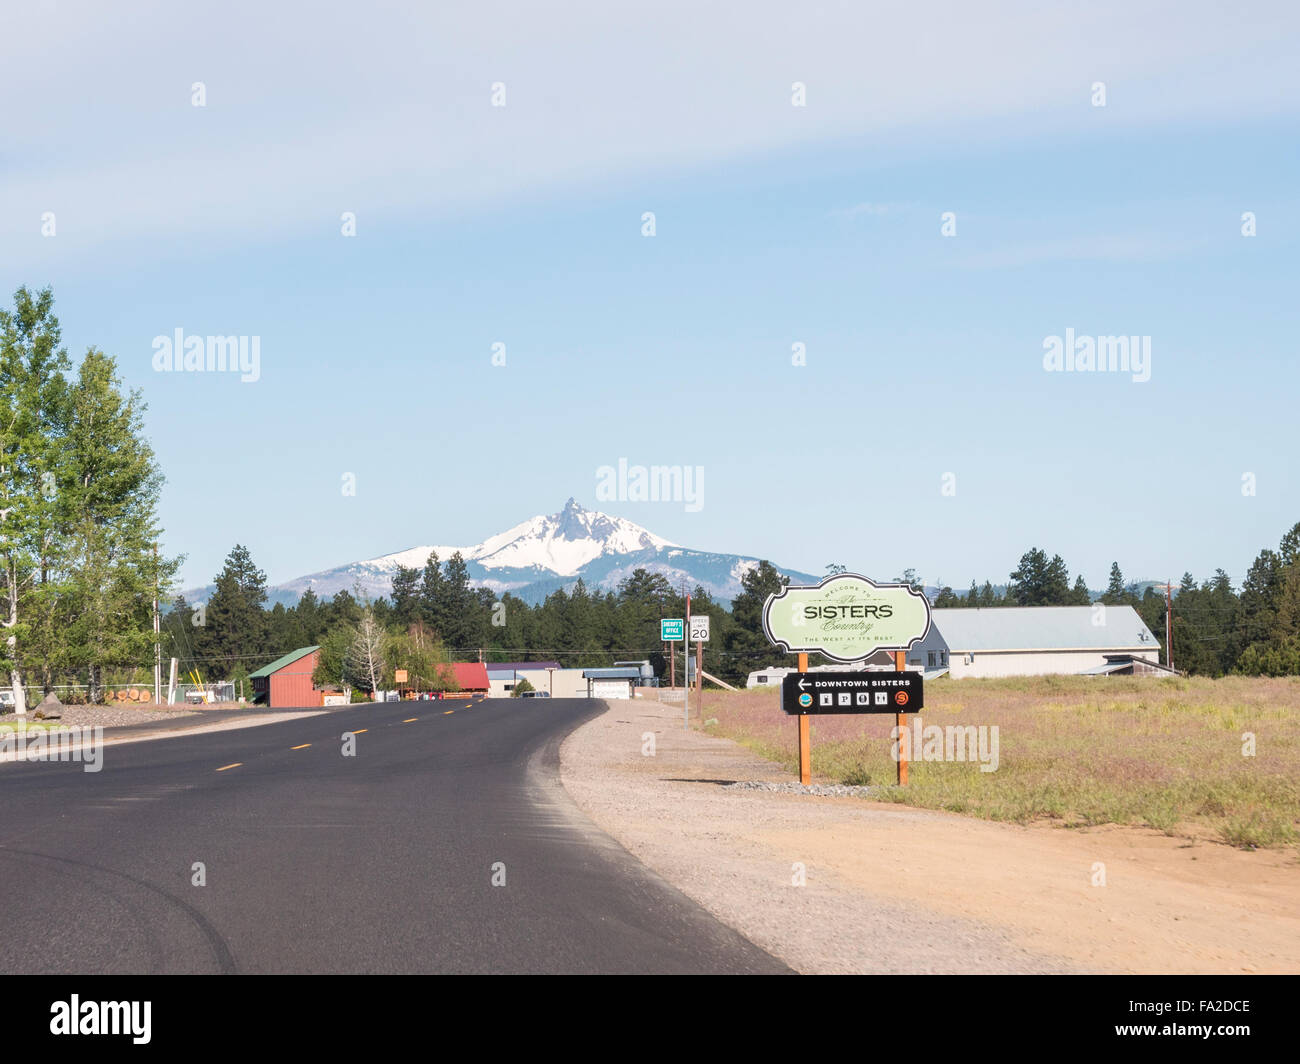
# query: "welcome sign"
{"points": [[846, 617]]}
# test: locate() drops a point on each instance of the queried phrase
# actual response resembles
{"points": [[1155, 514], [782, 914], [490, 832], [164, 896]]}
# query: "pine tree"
{"points": [[747, 646], [309, 617], [236, 623], [433, 605], [406, 596], [1115, 593], [946, 599], [459, 607]]}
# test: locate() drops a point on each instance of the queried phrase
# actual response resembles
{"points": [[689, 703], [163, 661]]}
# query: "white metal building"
{"points": [[1019, 641], [1041, 640]]}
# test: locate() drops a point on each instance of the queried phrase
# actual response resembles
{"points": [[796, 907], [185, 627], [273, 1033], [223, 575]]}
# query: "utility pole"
{"points": [[1169, 626], [157, 635], [686, 667]]}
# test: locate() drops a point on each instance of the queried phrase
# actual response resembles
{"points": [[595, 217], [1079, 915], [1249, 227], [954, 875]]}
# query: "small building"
{"points": [[544, 676], [286, 682], [612, 683], [503, 675]]}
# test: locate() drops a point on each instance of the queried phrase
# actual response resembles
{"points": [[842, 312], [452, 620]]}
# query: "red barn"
{"points": [[286, 682]]}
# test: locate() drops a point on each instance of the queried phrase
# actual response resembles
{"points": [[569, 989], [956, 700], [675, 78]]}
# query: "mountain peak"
{"points": [[557, 544], [544, 552]]}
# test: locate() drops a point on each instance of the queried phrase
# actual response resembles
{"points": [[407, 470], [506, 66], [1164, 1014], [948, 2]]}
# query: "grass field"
{"points": [[1162, 753]]}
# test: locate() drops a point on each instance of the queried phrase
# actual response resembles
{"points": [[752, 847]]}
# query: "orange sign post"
{"points": [[805, 737]]}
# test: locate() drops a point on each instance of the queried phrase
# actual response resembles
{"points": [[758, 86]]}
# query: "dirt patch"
{"points": [[890, 888]]}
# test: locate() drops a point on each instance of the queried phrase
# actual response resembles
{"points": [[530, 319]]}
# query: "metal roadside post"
{"points": [[686, 670], [848, 618], [699, 634], [673, 630]]}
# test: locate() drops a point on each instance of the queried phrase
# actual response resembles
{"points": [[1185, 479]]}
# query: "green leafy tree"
{"points": [[33, 396], [422, 655], [334, 647], [108, 511]]}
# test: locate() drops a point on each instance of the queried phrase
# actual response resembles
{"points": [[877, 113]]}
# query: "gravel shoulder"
{"points": [[892, 889]]}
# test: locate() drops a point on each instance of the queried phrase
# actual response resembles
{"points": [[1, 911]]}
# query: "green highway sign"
{"points": [[672, 629], [846, 617]]}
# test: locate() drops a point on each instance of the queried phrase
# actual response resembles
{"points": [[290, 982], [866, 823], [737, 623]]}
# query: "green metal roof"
{"points": [[280, 663]]}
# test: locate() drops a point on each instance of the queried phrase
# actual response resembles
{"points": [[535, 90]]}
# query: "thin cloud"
{"points": [[1090, 248], [865, 210]]}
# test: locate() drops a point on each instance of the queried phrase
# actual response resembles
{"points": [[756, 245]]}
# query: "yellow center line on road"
{"points": [[235, 765], [358, 731], [449, 711], [410, 720], [303, 747]]}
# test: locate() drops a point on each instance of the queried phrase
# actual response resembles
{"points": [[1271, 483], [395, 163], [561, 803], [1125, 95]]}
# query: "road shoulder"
{"points": [[181, 725], [893, 889]]}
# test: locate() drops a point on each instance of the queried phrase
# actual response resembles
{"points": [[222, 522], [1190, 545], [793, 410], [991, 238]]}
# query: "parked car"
{"points": [[536, 694]]}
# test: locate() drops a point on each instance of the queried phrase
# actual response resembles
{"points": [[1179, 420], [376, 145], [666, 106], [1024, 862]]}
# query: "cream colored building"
{"points": [[559, 683], [1038, 640]]}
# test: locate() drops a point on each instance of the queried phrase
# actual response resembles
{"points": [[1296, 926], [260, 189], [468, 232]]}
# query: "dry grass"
{"points": [[1163, 753]]}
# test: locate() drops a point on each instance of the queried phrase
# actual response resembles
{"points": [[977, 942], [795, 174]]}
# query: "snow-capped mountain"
{"points": [[536, 557], [560, 544]]}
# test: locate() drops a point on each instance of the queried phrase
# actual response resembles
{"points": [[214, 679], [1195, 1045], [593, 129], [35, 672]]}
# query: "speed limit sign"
{"points": [[700, 629]]}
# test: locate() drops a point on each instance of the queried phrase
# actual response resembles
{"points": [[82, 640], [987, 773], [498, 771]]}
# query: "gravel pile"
{"points": [[104, 716], [825, 790]]}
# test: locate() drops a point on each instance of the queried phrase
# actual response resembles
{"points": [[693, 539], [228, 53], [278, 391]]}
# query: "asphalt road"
{"points": [[317, 862]]}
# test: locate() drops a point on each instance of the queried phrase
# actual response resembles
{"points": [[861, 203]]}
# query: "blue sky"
{"points": [[775, 225]]}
